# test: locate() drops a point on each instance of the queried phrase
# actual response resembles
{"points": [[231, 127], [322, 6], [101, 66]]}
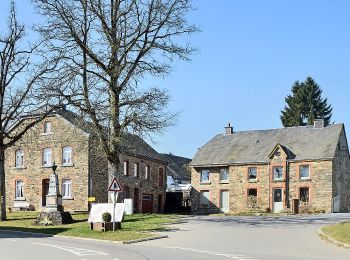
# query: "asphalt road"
{"points": [[201, 237]]}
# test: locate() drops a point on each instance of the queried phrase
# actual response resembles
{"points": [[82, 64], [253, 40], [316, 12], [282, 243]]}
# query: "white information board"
{"points": [[129, 206], [99, 208]]}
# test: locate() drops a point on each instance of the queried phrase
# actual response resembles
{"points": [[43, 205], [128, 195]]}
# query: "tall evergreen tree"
{"points": [[305, 104]]}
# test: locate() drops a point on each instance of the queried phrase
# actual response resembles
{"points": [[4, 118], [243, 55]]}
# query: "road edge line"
{"points": [[331, 239]]}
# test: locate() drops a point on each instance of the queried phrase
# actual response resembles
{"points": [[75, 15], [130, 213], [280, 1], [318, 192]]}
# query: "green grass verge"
{"points": [[340, 232], [136, 226]]}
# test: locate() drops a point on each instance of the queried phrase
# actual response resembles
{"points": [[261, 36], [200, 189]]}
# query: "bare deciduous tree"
{"points": [[110, 46], [21, 78]]}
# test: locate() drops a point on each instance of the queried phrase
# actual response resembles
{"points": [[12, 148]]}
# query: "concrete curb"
{"points": [[329, 238], [88, 239]]}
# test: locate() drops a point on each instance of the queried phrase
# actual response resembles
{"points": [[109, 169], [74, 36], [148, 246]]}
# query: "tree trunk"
{"points": [[2, 186]]}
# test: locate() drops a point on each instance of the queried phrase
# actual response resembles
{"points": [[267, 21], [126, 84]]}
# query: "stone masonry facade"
{"points": [[327, 184], [86, 174]]}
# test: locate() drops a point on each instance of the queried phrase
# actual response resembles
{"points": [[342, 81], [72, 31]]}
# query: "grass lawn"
{"points": [[340, 232], [136, 226]]}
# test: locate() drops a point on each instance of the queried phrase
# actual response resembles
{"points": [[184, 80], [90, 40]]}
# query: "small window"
{"points": [[66, 188], [161, 177], [67, 155], [224, 175], [204, 176], [19, 158], [252, 198], [147, 172], [19, 189], [252, 173], [126, 168], [47, 127], [126, 190], [304, 171], [136, 170], [204, 199], [47, 157], [278, 173], [304, 195]]}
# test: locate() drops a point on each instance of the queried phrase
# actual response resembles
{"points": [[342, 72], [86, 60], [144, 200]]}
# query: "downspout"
{"points": [[268, 170]]}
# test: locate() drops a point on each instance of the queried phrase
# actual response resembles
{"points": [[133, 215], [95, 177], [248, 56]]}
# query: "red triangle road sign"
{"points": [[115, 186]]}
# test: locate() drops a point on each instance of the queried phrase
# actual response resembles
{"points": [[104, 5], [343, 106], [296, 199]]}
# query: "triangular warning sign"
{"points": [[115, 186]]}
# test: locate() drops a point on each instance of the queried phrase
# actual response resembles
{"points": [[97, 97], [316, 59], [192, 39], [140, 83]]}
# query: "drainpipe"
{"points": [[268, 170]]}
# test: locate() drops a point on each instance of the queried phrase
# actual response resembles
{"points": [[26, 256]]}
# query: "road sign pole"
{"points": [[114, 202]]}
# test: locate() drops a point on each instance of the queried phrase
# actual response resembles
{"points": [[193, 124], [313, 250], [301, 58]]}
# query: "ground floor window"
{"points": [[304, 195], [204, 198], [19, 189], [252, 198]]}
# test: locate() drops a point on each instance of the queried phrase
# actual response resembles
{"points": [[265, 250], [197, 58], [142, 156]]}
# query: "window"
{"points": [[19, 158], [204, 199], [161, 178], [126, 168], [304, 171], [47, 157], [126, 190], [66, 188], [277, 172], [147, 172], [252, 173], [304, 195], [47, 127], [19, 189], [67, 155], [204, 176], [136, 170], [252, 198], [224, 175]]}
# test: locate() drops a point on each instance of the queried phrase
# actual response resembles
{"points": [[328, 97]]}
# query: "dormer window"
{"points": [[47, 127]]}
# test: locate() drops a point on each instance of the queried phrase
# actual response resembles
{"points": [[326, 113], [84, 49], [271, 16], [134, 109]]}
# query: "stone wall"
{"points": [[33, 173]]}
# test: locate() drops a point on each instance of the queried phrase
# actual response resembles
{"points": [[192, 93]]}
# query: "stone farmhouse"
{"points": [[273, 170], [82, 169]]}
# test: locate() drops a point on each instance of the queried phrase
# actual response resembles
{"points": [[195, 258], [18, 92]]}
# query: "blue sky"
{"points": [[250, 53]]}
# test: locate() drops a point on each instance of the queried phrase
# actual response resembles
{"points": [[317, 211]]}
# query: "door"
{"points": [[224, 201], [277, 200], [136, 200], [147, 203], [45, 191]]}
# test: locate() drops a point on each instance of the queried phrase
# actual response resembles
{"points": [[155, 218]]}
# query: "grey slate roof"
{"points": [[177, 166], [304, 142]]}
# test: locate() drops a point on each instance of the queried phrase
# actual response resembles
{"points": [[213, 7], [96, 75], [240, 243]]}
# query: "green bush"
{"points": [[106, 217]]}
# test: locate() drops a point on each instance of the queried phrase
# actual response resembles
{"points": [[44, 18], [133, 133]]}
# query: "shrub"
{"points": [[106, 217]]}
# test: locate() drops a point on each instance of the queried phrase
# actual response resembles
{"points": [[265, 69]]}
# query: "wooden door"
{"points": [[136, 200], [45, 191], [147, 203]]}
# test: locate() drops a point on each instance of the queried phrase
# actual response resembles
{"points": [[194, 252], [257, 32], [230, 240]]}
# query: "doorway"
{"points": [[277, 200], [45, 191], [147, 203]]}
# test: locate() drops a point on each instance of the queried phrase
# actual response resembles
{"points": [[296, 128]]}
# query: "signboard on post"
{"points": [[115, 188]]}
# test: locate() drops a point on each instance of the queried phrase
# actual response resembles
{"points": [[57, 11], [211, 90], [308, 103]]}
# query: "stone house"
{"points": [[273, 170], [82, 169]]}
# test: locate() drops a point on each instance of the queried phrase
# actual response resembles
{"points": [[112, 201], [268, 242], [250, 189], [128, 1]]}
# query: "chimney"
{"points": [[228, 129], [318, 123]]}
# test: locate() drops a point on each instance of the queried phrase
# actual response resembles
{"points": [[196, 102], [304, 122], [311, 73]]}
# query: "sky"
{"points": [[249, 55]]}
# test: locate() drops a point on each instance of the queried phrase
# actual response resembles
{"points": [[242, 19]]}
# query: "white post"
{"points": [[114, 202]]}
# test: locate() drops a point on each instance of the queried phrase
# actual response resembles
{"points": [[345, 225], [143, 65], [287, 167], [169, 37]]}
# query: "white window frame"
{"points": [[19, 190], [202, 172], [67, 188], [136, 170], [304, 166], [19, 161], [273, 173], [147, 172], [47, 156], [47, 127], [126, 168], [256, 173], [204, 201], [67, 152], [224, 172]]}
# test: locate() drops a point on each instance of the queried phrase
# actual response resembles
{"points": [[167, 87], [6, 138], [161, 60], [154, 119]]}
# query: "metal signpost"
{"points": [[115, 188]]}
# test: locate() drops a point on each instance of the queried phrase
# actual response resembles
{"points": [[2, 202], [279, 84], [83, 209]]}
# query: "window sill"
{"points": [[19, 167], [46, 166], [44, 134], [205, 183], [67, 165], [224, 182], [304, 179], [20, 199], [252, 181], [67, 198], [279, 180]]}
